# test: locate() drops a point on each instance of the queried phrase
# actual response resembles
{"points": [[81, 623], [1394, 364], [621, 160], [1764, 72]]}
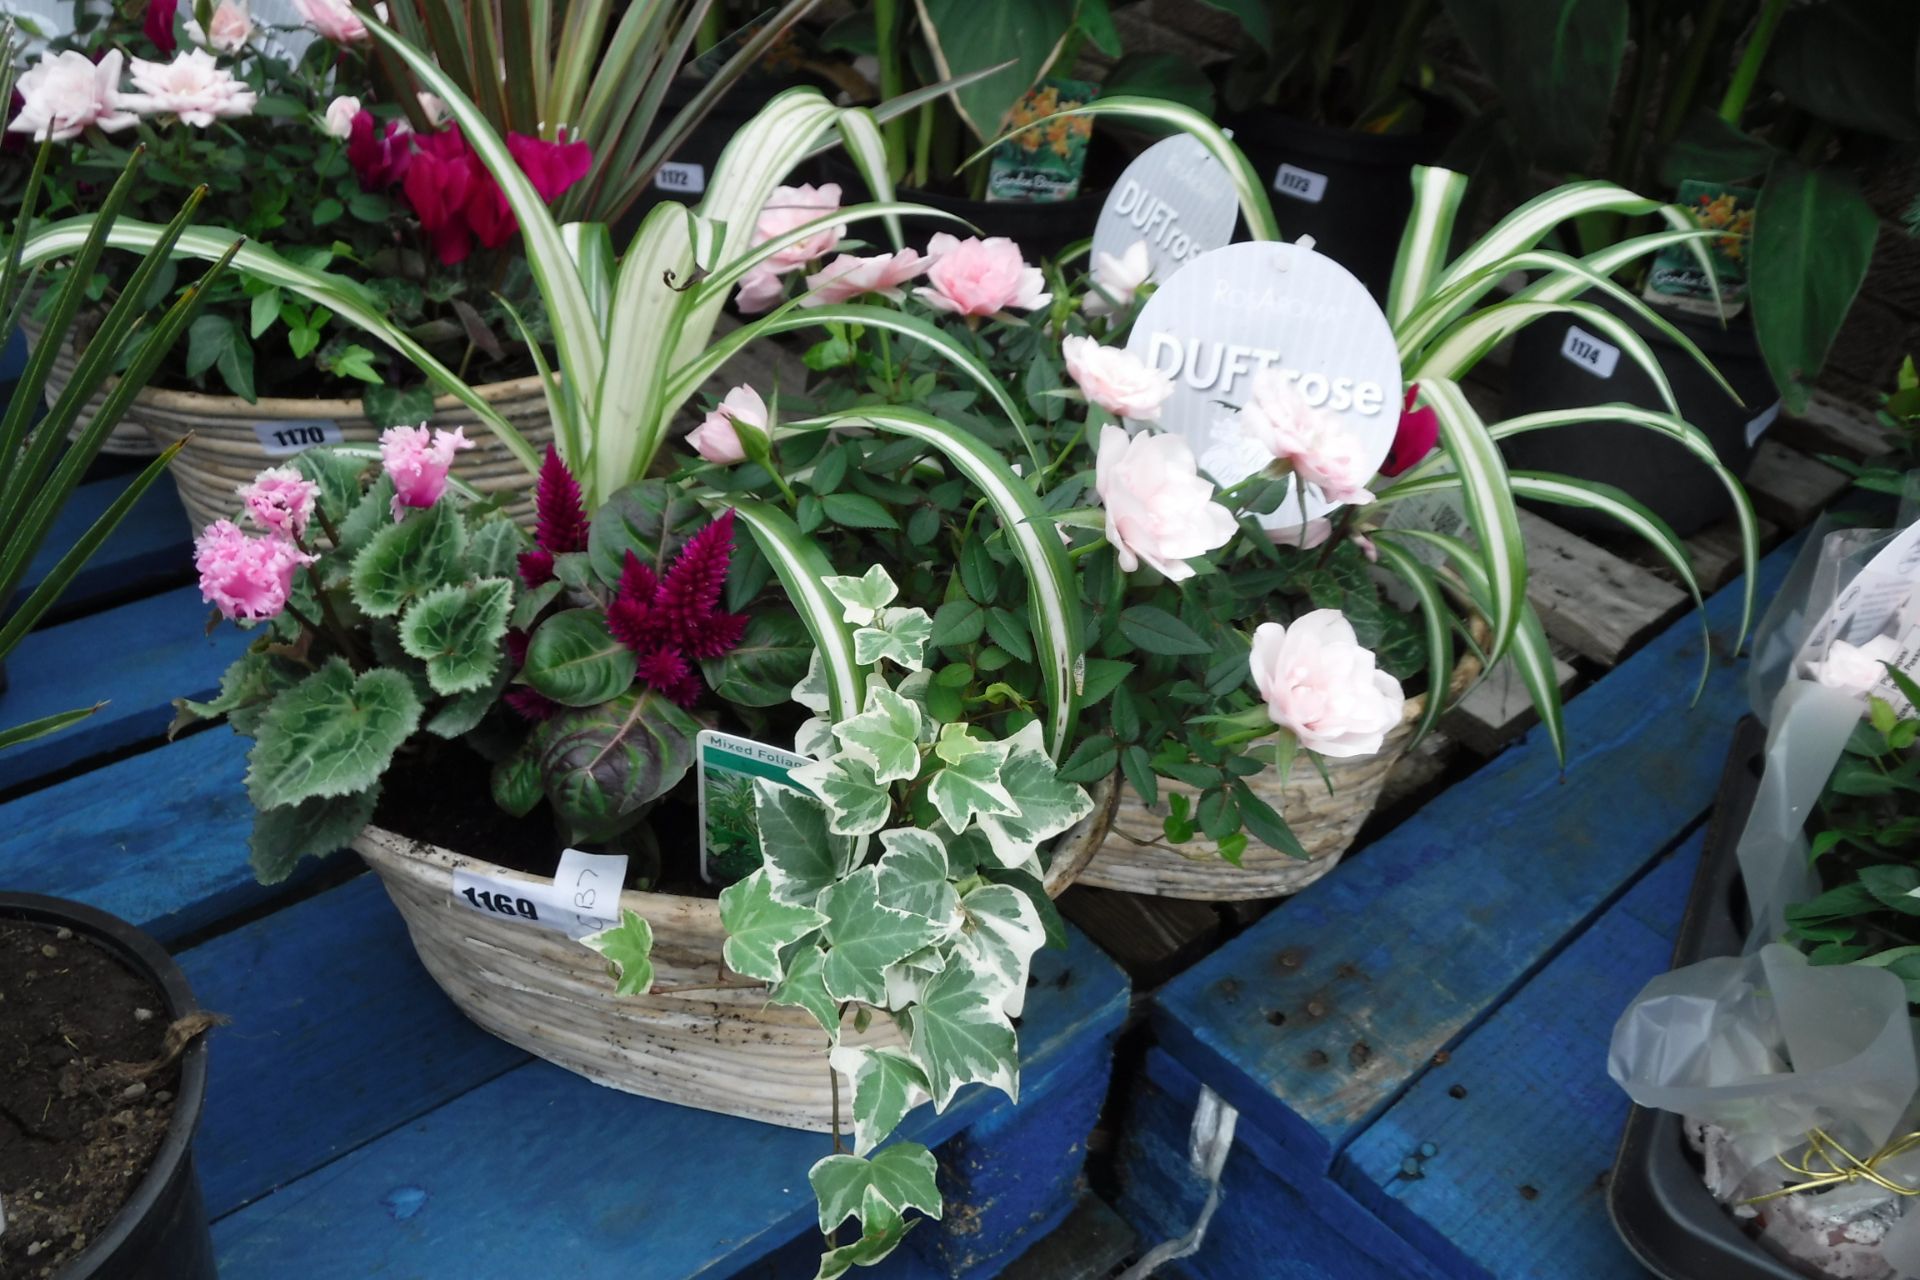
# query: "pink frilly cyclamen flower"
{"points": [[1322, 685], [192, 87], [417, 460], [717, 438], [246, 578], [975, 277], [1116, 380], [1160, 509], [280, 500], [848, 277], [66, 92], [1314, 443]]}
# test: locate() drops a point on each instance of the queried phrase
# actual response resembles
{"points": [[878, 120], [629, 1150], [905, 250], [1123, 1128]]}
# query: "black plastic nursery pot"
{"points": [[1560, 363], [1350, 191], [161, 1232], [1656, 1196]]}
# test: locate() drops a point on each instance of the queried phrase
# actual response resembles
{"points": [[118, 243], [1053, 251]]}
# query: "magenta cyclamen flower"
{"points": [[418, 461], [280, 500], [560, 520], [247, 578], [672, 621]]}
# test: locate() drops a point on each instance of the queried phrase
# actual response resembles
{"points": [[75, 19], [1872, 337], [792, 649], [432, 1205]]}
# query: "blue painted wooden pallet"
{"points": [[150, 550], [1321, 1022]]}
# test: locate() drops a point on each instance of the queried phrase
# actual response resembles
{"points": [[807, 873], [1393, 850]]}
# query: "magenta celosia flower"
{"points": [[560, 521], [247, 578], [417, 460], [673, 621], [280, 500]]}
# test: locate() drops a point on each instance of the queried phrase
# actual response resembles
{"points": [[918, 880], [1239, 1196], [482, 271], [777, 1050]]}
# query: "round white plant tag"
{"points": [[1262, 305], [1174, 198]]}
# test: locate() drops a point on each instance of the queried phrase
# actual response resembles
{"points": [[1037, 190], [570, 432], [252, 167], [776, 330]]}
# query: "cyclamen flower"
{"points": [[976, 277], [1160, 509], [246, 578], [717, 438], [1418, 432], [672, 621], [848, 277], [280, 500], [192, 87], [1314, 443], [1116, 380], [1118, 279], [560, 520], [552, 167], [1321, 685], [418, 460], [158, 25], [379, 156], [66, 92]]}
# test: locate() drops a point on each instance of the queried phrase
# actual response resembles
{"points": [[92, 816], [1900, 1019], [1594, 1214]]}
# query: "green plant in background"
{"points": [[1899, 419], [1330, 61]]}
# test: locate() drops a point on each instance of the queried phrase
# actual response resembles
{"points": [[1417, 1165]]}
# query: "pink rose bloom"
{"points": [[280, 500], [228, 31], [1118, 279], [1160, 509], [1856, 667], [341, 113], [335, 20], [192, 87], [1321, 685], [418, 460], [848, 277], [760, 290], [976, 277], [1319, 449], [246, 578], [717, 438], [790, 208], [66, 92], [1117, 381]]}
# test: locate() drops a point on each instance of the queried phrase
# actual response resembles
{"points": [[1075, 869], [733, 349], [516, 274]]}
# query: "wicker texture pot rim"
{"points": [[296, 408]]}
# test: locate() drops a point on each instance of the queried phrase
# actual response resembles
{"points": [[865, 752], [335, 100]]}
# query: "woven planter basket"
{"points": [[128, 439], [719, 1050], [1325, 824]]}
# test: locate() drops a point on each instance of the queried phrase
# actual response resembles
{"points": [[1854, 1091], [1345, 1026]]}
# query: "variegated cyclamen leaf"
{"points": [[1045, 805], [861, 599], [332, 734], [404, 561], [913, 874], [903, 1174], [886, 1085], [456, 631], [856, 804], [885, 737], [804, 986], [628, 947], [1003, 931], [864, 937], [901, 638], [800, 855], [758, 925], [971, 787], [961, 1036]]}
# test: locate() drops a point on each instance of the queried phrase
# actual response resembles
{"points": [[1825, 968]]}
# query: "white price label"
{"points": [[1301, 184], [681, 178], [1596, 356], [1757, 427], [285, 439], [582, 898]]}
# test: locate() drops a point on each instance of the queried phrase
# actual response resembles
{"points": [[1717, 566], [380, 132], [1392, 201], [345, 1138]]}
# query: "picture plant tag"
{"points": [[729, 823], [1176, 199], [582, 898], [1677, 278], [1043, 163], [285, 439]]}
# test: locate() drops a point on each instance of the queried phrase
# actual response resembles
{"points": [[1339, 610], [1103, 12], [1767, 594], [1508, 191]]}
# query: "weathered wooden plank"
{"points": [[1832, 425], [1311, 1023], [1089, 1245], [1499, 708], [1417, 771], [1789, 487], [136, 658], [1589, 599], [1522, 1120], [151, 550], [1151, 938], [1715, 552]]}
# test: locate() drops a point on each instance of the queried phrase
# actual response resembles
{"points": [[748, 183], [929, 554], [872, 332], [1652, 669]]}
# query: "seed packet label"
{"points": [[1758, 424], [1867, 604], [1176, 199], [1043, 163], [1678, 279], [582, 898], [729, 823], [285, 439], [1301, 184], [680, 178], [1596, 355], [1266, 306]]}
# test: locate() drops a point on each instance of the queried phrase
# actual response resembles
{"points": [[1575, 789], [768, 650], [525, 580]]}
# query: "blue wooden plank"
{"points": [[137, 658], [151, 549], [539, 1164], [1516, 1183], [1318, 1016]]}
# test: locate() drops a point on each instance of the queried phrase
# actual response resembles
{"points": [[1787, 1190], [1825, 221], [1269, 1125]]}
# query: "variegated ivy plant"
{"points": [[908, 884]]}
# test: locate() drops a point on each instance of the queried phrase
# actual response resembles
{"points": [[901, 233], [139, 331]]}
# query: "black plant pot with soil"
{"points": [[1559, 363], [101, 1103]]}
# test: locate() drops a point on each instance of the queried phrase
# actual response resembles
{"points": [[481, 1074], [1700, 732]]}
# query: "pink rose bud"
{"points": [[1116, 280], [333, 19], [1115, 380], [341, 113], [230, 28], [1160, 509], [848, 277], [1321, 685], [280, 500], [418, 460], [760, 290], [976, 277], [246, 578], [717, 438], [789, 209], [1314, 443]]}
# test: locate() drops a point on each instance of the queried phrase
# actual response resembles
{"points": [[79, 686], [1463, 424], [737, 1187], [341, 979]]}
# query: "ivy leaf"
{"points": [[856, 804], [404, 561], [804, 987], [1045, 806], [574, 659], [886, 1085], [283, 836], [811, 692], [913, 874], [758, 925], [862, 598], [972, 787], [902, 638], [865, 937], [1003, 931], [882, 1228], [885, 737], [456, 631], [628, 947], [332, 734], [801, 856], [902, 1175], [961, 1036]]}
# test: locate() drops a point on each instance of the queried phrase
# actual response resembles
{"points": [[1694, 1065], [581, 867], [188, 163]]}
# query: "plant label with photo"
{"points": [[1300, 184], [1677, 278], [582, 898], [285, 439], [1044, 163], [680, 178], [1596, 355], [1260, 307], [1865, 606], [1176, 199], [729, 822]]}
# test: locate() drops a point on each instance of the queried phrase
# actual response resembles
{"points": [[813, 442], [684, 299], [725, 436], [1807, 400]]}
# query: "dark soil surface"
{"points": [[81, 1116]]}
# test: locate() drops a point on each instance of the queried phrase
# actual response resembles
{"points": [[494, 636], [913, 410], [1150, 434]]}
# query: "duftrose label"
{"points": [[1174, 198], [729, 823], [285, 439], [582, 898], [1245, 308]]}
